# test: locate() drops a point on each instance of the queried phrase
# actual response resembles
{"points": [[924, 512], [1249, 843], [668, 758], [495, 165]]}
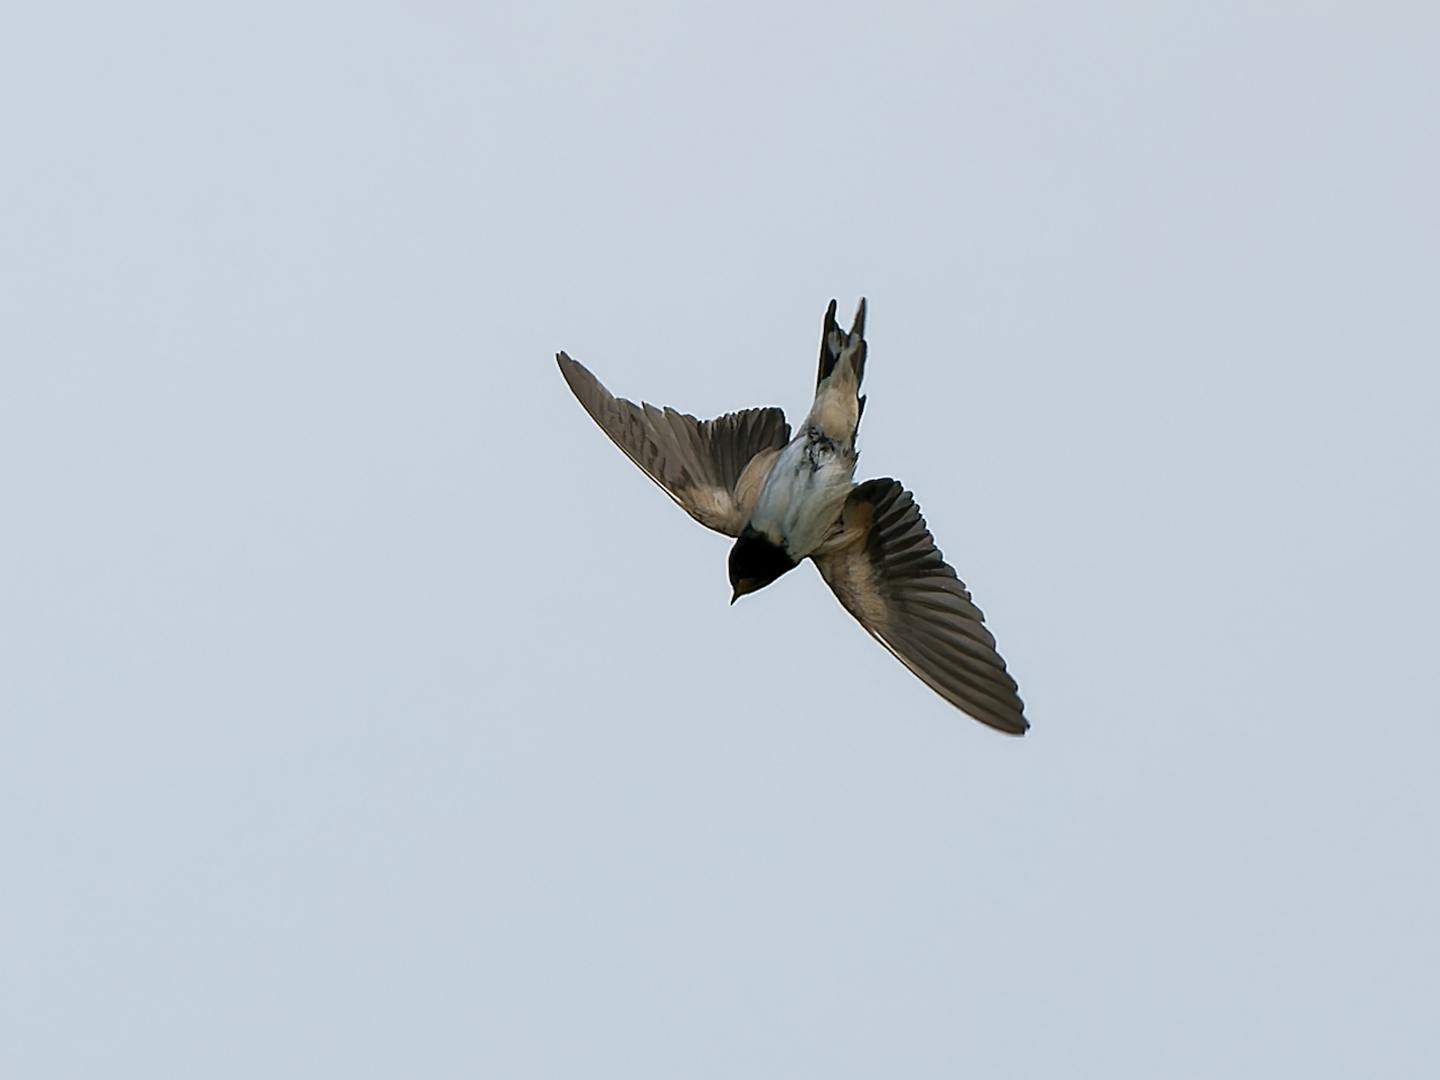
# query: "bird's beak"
{"points": [[743, 586]]}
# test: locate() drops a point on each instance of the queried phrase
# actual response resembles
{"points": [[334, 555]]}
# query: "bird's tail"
{"points": [[835, 343]]}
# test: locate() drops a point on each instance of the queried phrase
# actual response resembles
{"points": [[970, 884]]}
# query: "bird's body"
{"points": [[804, 491], [787, 499]]}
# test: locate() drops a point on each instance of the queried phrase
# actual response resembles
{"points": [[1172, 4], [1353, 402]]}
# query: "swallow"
{"points": [[785, 500]]}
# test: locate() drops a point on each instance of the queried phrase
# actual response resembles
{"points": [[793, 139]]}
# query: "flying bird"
{"points": [[788, 499]]}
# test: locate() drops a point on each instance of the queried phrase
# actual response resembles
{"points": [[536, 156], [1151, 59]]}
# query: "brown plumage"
{"points": [[700, 463], [886, 570], [874, 550]]}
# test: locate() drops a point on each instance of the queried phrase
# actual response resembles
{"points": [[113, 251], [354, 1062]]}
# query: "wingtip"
{"points": [[568, 364], [858, 326], [1015, 724], [569, 369], [581, 381]]}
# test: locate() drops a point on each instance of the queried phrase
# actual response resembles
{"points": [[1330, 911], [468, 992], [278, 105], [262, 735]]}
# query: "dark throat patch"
{"points": [[756, 560]]}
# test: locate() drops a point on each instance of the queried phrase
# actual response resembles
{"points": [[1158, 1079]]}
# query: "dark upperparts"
{"points": [[755, 562]]}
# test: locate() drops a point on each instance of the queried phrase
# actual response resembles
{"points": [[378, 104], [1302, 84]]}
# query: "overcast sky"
{"points": [[365, 713]]}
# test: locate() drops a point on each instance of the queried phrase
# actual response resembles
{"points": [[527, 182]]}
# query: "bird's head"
{"points": [[756, 561]]}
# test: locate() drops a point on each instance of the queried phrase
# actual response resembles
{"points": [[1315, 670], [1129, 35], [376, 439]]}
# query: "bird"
{"points": [[785, 500]]}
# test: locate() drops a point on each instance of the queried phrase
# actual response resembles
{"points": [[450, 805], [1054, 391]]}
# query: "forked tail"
{"points": [[833, 342], [838, 402]]}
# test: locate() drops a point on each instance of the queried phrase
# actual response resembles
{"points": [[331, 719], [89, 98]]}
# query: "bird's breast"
{"points": [[805, 492]]}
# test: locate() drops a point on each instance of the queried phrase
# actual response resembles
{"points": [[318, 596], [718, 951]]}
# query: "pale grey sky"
{"points": [[364, 713]]}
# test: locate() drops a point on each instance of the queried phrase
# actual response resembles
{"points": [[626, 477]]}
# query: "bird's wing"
{"points": [[712, 468], [883, 565]]}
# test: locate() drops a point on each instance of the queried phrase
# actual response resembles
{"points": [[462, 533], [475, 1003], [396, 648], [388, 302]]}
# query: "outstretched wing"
{"points": [[712, 468], [884, 567]]}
